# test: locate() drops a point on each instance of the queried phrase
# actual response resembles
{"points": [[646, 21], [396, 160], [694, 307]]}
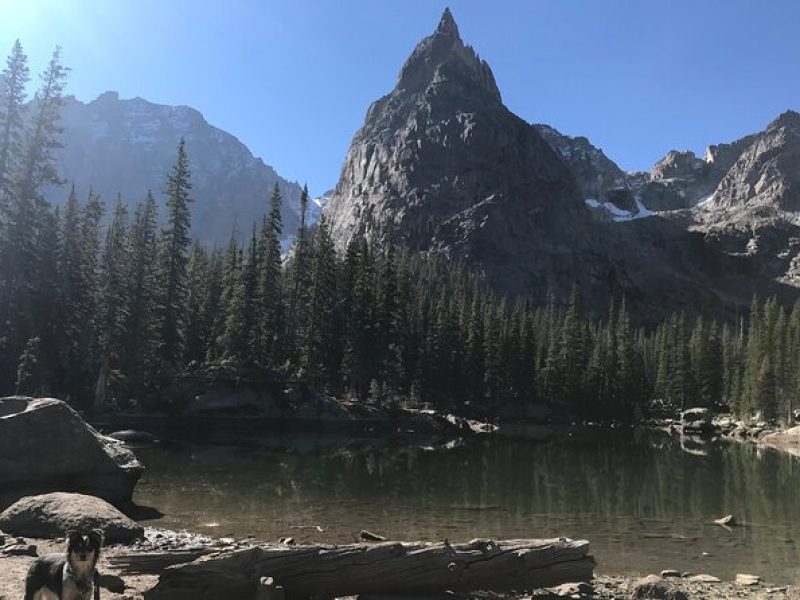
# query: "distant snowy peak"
{"points": [[127, 146]]}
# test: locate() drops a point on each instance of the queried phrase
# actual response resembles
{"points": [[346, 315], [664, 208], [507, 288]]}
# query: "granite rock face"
{"points": [[438, 147], [52, 515], [597, 175], [765, 178], [127, 146], [755, 209], [441, 164], [46, 446]]}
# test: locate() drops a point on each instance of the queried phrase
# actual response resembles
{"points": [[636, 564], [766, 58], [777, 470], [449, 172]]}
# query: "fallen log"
{"points": [[388, 567], [153, 563]]}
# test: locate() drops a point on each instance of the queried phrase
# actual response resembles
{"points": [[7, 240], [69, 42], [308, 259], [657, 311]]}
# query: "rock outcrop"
{"points": [[440, 165], [52, 515], [597, 176], [765, 178], [46, 446], [127, 146], [441, 162]]}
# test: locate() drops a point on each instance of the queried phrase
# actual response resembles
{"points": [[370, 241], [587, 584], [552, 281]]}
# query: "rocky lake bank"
{"points": [[120, 584], [17, 548]]}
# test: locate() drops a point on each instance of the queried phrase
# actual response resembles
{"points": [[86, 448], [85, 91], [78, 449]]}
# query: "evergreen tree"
{"points": [[198, 330], [23, 213], [320, 358], [300, 279], [270, 296], [141, 323], [12, 100], [174, 261], [37, 165], [28, 372], [114, 293]]}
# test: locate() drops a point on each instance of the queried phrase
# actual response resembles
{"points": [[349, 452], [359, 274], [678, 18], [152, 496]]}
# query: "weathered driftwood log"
{"points": [[327, 571], [136, 563]]}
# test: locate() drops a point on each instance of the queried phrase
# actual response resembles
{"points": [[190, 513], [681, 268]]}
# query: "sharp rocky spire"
{"points": [[447, 24]]}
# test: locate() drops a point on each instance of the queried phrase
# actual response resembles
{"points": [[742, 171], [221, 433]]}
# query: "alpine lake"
{"points": [[645, 500]]}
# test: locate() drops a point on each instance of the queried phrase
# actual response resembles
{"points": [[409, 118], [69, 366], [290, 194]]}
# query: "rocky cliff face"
{"points": [[597, 176], [678, 180], [128, 146], [755, 209], [440, 144], [765, 177], [441, 165]]}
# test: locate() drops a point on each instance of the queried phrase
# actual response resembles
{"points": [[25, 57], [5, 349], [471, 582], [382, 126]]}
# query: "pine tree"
{"points": [[198, 329], [320, 358], [270, 326], [359, 340], [141, 323], [234, 342], [113, 296], [37, 165], [12, 100], [28, 371], [301, 277], [23, 213], [251, 301], [174, 261]]}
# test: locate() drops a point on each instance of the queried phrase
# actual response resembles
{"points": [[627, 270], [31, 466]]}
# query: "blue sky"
{"points": [[293, 79]]}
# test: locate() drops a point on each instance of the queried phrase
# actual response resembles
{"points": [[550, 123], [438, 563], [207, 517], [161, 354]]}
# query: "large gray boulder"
{"points": [[697, 420], [51, 515], [46, 446]]}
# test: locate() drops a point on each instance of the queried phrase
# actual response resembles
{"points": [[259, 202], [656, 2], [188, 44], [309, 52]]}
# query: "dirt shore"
{"points": [[14, 568]]}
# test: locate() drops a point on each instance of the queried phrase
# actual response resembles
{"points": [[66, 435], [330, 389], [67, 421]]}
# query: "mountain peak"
{"points": [[789, 119], [447, 24], [443, 56]]}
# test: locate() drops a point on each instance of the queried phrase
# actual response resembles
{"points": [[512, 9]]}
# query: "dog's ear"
{"points": [[72, 535], [96, 537]]}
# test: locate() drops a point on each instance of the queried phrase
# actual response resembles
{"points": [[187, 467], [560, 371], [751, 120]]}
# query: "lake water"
{"points": [[644, 500]]}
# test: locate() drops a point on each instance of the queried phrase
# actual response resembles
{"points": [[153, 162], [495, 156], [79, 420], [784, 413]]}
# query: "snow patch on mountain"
{"points": [[618, 214]]}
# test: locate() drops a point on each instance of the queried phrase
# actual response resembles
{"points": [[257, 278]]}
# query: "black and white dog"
{"points": [[70, 576]]}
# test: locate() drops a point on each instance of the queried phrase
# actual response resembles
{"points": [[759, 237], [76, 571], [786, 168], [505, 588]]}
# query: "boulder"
{"points": [[570, 590], [50, 515], [745, 579], [19, 550], [46, 446], [654, 586], [113, 583], [697, 419]]}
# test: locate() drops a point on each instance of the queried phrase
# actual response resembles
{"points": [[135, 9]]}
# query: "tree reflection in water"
{"points": [[645, 500]]}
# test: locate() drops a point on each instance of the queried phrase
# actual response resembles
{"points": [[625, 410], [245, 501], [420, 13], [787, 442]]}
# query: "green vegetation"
{"points": [[91, 320]]}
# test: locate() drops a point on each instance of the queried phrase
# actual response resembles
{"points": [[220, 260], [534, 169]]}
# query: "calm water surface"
{"points": [[646, 502]]}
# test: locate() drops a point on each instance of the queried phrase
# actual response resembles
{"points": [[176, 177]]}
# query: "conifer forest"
{"points": [[101, 304]]}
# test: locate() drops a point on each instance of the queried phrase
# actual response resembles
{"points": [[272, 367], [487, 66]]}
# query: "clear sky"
{"points": [[293, 79]]}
